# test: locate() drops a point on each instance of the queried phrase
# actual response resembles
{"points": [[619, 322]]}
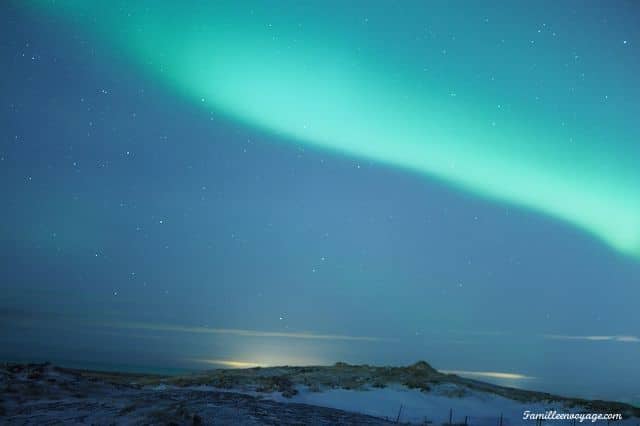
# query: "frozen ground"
{"points": [[397, 402], [342, 394]]}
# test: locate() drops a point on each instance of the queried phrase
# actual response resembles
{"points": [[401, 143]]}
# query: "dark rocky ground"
{"points": [[39, 394], [42, 394]]}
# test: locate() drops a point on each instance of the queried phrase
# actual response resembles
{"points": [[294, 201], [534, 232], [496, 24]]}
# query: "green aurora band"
{"points": [[323, 83]]}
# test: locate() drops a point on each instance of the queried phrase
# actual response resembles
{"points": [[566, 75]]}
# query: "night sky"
{"points": [[268, 183]]}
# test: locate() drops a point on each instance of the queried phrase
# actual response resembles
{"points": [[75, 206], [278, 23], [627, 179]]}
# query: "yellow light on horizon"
{"points": [[230, 363], [489, 374]]}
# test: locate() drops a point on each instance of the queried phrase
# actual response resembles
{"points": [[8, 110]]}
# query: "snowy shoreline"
{"points": [[280, 395]]}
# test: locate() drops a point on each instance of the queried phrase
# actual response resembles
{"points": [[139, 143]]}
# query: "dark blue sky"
{"points": [[142, 231]]}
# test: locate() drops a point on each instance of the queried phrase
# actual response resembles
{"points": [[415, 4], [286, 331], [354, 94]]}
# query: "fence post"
{"points": [[399, 413]]}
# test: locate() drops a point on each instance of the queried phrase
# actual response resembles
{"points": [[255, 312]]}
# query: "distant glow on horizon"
{"points": [[613, 338], [489, 374], [229, 363], [268, 360], [320, 90]]}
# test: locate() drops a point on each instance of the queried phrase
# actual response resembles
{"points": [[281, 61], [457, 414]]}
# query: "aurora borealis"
{"points": [[322, 81], [188, 184]]}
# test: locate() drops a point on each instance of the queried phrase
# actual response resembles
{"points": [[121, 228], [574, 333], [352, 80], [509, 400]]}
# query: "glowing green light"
{"points": [[319, 88]]}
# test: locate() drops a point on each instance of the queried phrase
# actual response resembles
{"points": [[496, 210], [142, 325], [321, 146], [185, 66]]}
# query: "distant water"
{"points": [[115, 367]]}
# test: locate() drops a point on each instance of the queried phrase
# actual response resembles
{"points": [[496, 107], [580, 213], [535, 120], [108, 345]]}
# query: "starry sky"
{"points": [[266, 183]]}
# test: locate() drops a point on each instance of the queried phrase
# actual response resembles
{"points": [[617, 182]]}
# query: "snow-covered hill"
{"points": [[340, 394]]}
